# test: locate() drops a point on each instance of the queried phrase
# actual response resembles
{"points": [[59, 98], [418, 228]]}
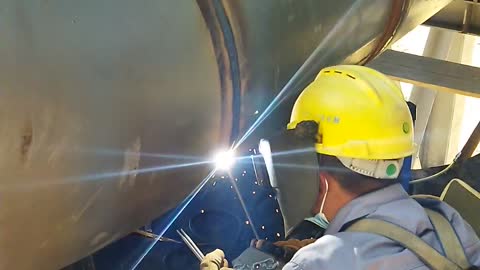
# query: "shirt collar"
{"points": [[365, 205]]}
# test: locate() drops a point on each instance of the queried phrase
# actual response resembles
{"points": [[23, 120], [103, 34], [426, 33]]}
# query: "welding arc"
{"points": [[310, 66]]}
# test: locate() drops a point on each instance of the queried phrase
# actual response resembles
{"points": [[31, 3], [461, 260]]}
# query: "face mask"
{"points": [[320, 219]]}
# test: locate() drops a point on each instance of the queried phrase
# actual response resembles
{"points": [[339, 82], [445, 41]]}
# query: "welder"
{"points": [[359, 129]]}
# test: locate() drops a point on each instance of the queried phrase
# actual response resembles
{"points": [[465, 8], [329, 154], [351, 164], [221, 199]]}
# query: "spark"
{"points": [[245, 210], [174, 217]]}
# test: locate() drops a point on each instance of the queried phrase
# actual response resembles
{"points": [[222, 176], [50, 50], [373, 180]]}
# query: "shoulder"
{"points": [[328, 252], [464, 230], [353, 250]]}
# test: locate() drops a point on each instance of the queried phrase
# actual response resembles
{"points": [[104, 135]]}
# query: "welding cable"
{"points": [[467, 151], [433, 176]]}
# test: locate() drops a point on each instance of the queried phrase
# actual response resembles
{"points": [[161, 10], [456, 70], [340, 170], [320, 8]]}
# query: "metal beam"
{"points": [[472, 2], [458, 27], [429, 72], [467, 18], [472, 143], [461, 16]]}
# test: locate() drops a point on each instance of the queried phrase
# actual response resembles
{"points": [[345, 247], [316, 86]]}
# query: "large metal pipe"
{"points": [[86, 86]]}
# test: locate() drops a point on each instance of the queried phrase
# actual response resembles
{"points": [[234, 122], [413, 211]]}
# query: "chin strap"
{"points": [[376, 168]]}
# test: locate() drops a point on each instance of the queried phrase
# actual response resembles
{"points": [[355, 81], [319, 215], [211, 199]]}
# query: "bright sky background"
{"points": [[414, 43]]}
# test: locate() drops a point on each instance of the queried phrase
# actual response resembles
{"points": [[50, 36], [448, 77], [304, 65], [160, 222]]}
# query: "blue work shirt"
{"points": [[353, 250]]}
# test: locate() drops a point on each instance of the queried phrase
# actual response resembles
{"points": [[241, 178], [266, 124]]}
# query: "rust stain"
{"points": [[26, 141]]}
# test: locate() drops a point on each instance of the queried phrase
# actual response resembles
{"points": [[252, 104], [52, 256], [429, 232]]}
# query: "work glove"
{"points": [[294, 244], [282, 250], [214, 260]]}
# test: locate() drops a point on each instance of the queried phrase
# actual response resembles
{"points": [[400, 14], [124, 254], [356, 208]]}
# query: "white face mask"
{"points": [[320, 219]]}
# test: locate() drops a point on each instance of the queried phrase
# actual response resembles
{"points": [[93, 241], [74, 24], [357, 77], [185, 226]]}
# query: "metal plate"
{"points": [[85, 87]]}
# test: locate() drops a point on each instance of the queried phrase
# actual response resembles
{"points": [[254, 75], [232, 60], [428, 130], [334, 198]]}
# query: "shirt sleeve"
{"points": [[473, 254], [327, 253], [292, 266]]}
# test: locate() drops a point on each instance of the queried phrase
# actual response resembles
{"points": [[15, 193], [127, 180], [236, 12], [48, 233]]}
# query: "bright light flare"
{"points": [[224, 160]]}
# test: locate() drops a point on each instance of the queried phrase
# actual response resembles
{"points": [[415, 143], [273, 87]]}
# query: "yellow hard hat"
{"points": [[361, 114]]}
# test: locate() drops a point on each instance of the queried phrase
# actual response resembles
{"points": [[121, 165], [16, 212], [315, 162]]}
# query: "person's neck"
{"points": [[335, 201], [338, 197]]}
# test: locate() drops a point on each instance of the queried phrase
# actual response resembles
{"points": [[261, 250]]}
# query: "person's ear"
{"points": [[323, 178]]}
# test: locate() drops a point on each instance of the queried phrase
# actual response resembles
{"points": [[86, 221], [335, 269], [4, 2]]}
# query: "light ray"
{"points": [[317, 59], [115, 152], [95, 177], [174, 217]]}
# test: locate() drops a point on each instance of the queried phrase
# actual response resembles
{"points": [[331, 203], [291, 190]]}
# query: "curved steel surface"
{"points": [[97, 95], [85, 87], [274, 38]]}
